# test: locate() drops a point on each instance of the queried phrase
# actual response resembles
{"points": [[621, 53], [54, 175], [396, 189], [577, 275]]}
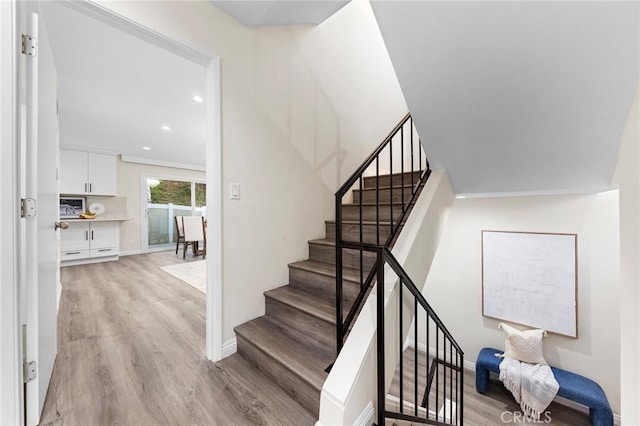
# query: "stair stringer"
{"points": [[350, 388]]}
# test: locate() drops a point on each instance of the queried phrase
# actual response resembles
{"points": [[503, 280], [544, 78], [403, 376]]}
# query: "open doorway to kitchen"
{"points": [[122, 92]]}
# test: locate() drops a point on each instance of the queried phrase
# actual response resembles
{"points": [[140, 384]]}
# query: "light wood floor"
{"points": [[131, 352], [494, 408]]}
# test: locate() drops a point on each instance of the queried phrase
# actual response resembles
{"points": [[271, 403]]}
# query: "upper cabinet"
{"points": [[87, 173]]}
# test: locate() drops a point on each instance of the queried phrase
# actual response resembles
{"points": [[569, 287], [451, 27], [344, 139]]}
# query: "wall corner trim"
{"points": [[366, 417], [229, 347]]}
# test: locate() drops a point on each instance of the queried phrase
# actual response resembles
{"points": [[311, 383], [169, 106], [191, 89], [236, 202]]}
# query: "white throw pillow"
{"points": [[525, 346]]}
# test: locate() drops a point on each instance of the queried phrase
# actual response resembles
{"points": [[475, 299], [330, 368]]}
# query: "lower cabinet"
{"points": [[90, 240]]}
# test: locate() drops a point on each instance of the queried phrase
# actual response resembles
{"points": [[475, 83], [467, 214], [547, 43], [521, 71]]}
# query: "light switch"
{"points": [[234, 191]]}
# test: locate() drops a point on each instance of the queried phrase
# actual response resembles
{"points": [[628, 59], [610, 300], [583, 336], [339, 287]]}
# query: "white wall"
{"points": [[301, 107], [454, 286], [129, 185], [627, 176]]}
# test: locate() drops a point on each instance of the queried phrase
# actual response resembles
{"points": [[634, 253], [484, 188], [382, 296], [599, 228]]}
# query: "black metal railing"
{"points": [[441, 402], [393, 195], [364, 236]]}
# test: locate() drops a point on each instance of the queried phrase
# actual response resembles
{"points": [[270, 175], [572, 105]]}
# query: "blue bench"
{"points": [[572, 386]]}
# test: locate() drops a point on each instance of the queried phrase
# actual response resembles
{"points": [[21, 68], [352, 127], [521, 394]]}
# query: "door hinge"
{"points": [[27, 208], [29, 45], [30, 371]]}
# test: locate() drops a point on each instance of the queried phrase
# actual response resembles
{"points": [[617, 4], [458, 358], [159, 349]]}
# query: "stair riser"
{"points": [[370, 182], [369, 196], [350, 258], [351, 232], [322, 285], [316, 328], [352, 212], [301, 391]]}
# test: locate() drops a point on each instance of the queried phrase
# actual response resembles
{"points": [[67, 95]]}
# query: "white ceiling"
{"points": [[116, 91], [260, 13], [517, 96]]}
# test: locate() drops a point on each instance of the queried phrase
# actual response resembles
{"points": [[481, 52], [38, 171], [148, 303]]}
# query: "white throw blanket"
{"points": [[532, 385]]}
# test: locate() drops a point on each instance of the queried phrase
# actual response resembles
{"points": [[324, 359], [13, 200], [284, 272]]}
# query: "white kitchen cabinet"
{"points": [[87, 173], [102, 174], [73, 172], [85, 240]]}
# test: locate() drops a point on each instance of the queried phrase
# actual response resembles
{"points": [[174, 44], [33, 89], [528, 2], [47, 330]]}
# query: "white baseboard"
{"points": [[229, 347], [366, 417], [130, 252], [58, 295]]}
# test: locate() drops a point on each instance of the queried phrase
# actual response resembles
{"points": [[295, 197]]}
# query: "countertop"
{"points": [[97, 219]]}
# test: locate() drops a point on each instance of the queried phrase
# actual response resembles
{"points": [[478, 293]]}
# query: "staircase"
{"points": [[295, 341]]}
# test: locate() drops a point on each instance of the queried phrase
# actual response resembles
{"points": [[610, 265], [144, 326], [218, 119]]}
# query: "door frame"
{"points": [[144, 218], [211, 61], [11, 390], [10, 351]]}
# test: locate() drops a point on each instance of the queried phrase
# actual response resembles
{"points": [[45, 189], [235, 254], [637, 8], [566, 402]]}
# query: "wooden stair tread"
{"points": [[324, 242], [386, 187], [327, 269], [365, 223], [381, 203], [303, 356], [322, 308]]}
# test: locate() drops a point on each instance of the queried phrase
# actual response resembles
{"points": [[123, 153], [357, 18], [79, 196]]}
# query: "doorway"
{"points": [[163, 199], [20, 348]]}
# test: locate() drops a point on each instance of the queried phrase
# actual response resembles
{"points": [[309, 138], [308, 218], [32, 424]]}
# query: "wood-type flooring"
{"points": [[131, 344]]}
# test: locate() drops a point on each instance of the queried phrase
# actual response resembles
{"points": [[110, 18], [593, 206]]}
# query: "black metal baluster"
{"points": [[361, 237], [401, 350], [401, 170], [339, 329], [415, 355], [437, 368], [461, 399], [380, 337], [428, 386], [391, 182], [412, 170], [420, 154], [457, 395], [451, 381], [378, 200], [444, 377]]}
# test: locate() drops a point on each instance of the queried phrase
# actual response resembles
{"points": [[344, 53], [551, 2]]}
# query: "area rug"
{"points": [[192, 273]]}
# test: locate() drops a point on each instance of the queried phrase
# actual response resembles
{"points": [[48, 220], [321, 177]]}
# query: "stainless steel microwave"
{"points": [[72, 207]]}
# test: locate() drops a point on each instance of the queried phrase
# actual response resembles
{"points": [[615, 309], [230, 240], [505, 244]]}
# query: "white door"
{"points": [[40, 258]]}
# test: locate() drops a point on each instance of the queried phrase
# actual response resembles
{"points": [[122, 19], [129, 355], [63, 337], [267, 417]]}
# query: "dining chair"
{"points": [[179, 231], [193, 227]]}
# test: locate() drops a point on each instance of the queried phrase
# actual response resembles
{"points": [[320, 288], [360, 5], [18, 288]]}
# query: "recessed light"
{"points": [[197, 98], [461, 196], [166, 128], [146, 148]]}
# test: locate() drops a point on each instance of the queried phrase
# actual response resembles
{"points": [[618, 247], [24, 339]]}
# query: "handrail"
{"points": [[402, 274], [454, 416], [369, 160]]}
